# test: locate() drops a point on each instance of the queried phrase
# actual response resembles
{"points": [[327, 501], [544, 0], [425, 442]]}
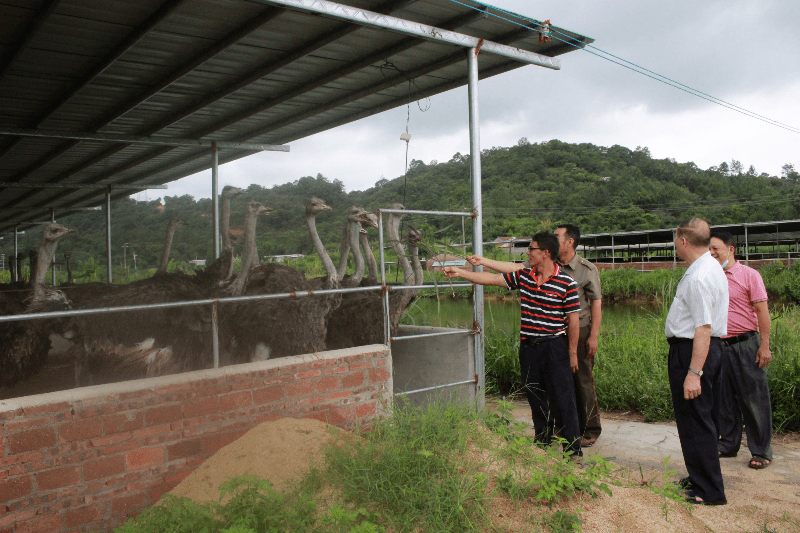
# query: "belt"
{"points": [[538, 340], [729, 341], [676, 340]]}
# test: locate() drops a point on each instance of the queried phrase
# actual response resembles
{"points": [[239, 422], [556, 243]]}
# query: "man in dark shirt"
{"points": [[549, 310]]}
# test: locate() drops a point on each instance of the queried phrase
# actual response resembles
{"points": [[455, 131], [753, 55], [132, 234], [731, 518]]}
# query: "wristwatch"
{"points": [[698, 372]]}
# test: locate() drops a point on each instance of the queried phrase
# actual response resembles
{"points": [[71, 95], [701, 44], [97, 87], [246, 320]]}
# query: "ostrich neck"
{"points": [[69, 272], [373, 265], [249, 255], [402, 259], [332, 281], [355, 231], [46, 253], [167, 245], [225, 223], [419, 275], [344, 251]]}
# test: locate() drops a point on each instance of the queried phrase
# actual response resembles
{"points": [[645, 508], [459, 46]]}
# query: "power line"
{"points": [[639, 69]]}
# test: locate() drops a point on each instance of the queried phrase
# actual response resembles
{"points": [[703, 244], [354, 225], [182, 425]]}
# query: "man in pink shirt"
{"points": [[745, 354]]}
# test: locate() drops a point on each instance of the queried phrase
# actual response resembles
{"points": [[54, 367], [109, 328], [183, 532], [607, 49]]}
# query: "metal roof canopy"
{"points": [[111, 83]]}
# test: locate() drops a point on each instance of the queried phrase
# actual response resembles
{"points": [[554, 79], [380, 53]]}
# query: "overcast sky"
{"points": [[745, 52]]}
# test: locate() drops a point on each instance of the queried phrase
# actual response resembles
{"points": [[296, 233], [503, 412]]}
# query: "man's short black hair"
{"points": [[573, 232], [724, 236], [547, 241]]}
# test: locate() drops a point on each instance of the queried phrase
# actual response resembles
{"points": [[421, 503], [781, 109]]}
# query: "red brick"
{"points": [[308, 374], [125, 505], [359, 366], [10, 415], [163, 415], [237, 400], [102, 442], [299, 388], [45, 524], [340, 394], [366, 409], [34, 439], [200, 407], [144, 457], [80, 429], [84, 515], [327, 384], [337, 370], [353, 380], [379, 375], [213, 443], [341, 416], [60, 407], [123, 422], [105, 467], [151, 431], [183, 449], [14, 488], [58, 477], [122, 447], [268, 394]]}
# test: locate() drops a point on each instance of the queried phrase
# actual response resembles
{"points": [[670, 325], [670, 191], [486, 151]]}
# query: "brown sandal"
{"points": [[759, 459]]}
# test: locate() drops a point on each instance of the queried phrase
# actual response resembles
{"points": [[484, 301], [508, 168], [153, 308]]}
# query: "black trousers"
{"points": [[697, 419], [546, 371], [744, 392]]}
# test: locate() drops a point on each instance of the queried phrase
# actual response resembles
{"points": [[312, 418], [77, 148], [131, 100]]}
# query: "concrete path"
{"points": [[636, 445]]}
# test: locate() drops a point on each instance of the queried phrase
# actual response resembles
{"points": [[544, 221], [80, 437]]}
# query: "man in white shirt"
{"points": [[696, 320]]}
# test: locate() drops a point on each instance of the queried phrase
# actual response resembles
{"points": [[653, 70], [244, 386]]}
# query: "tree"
{"points": [[736, 167], [789, 173]]}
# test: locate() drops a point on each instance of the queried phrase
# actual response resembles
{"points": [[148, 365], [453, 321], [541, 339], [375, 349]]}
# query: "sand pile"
{"points": [[280, 451]]}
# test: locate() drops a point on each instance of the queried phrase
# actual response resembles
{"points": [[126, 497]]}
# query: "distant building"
{"points": [[198, 262], [283, 258]]}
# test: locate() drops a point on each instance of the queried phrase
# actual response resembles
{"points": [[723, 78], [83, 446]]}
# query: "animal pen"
{"points": [[98, 101]]}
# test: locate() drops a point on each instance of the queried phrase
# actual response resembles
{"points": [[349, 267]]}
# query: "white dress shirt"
{"points": [[700, 299]]}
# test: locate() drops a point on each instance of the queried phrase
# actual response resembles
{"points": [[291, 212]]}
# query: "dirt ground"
{"points": [[282, 450]]}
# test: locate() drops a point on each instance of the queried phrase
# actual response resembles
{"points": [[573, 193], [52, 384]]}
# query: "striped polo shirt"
{"points": [[544, 307]]}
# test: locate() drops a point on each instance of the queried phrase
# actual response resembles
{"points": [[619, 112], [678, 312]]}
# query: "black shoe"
{"points": [[686, 483], [694, 499]]}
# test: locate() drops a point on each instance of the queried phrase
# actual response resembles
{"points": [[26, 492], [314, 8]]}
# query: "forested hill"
{"points": [[526, 188]]}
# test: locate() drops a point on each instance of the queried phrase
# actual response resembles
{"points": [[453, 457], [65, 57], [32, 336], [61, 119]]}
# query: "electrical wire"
{"points": [[639, 69]]}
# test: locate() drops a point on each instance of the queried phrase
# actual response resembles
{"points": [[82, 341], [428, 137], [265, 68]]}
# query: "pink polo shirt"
{"points": [[745, 287]]}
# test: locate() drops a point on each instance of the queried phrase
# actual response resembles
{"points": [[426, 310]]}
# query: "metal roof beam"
{"points": [[164, 141], [160, 14], [100, 186], [45, 10], [415, 29]]}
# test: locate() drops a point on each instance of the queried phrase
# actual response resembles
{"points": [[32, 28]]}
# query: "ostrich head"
{"points": [[55, 232], [258, 209], [370, 219], [229, 191], [316, 205], [176, 223]]}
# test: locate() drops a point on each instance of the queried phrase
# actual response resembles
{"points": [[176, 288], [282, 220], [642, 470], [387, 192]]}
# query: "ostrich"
{"points": [[172, 227], [289, 326], [347, 327], [372, 265], [24, 344], [352, 232], [414, 238]]}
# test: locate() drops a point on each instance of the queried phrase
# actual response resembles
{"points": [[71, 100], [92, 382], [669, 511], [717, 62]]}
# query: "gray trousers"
{"points": [[744, 393]]}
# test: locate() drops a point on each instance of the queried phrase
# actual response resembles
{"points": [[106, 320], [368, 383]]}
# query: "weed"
{"points": [[562, 521]]}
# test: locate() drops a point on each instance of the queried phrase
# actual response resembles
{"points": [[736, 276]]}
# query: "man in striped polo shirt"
{"points": [[549, 307]]}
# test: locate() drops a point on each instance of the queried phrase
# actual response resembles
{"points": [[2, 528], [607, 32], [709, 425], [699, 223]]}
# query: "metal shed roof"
{"points": [[246, 71]]}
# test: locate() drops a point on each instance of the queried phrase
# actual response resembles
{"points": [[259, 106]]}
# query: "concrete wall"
{"points": [[87, 458], [430, 361]]}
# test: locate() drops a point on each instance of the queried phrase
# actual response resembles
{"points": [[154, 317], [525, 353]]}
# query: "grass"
{"points": [[432, 469]]}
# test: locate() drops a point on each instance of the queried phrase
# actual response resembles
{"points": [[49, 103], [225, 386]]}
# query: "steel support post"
{"points": [[215, 334], [17, 276], [674, 252], [477, 220], [108, 235], [385, 295], [215, 196], [746, 248], [612, 252], [53, 261]]}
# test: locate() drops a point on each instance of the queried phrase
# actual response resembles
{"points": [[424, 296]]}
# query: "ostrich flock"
{"points": [[160, 341]]}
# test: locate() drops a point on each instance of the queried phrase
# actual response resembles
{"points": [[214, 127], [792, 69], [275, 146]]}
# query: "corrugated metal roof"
{"points": [[224, 70]]}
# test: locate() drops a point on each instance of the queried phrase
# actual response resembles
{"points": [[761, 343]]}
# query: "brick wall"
{"points": [[85, 459]]}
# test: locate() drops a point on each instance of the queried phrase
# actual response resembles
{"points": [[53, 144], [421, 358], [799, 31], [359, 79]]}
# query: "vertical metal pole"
{"points": [[215, 334], [674, 253], [386, 332], [53, 261], [746, 248], [612, 252], [778, 241], [108, 235], [16, 252], [477, 220], [214, 195]]}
